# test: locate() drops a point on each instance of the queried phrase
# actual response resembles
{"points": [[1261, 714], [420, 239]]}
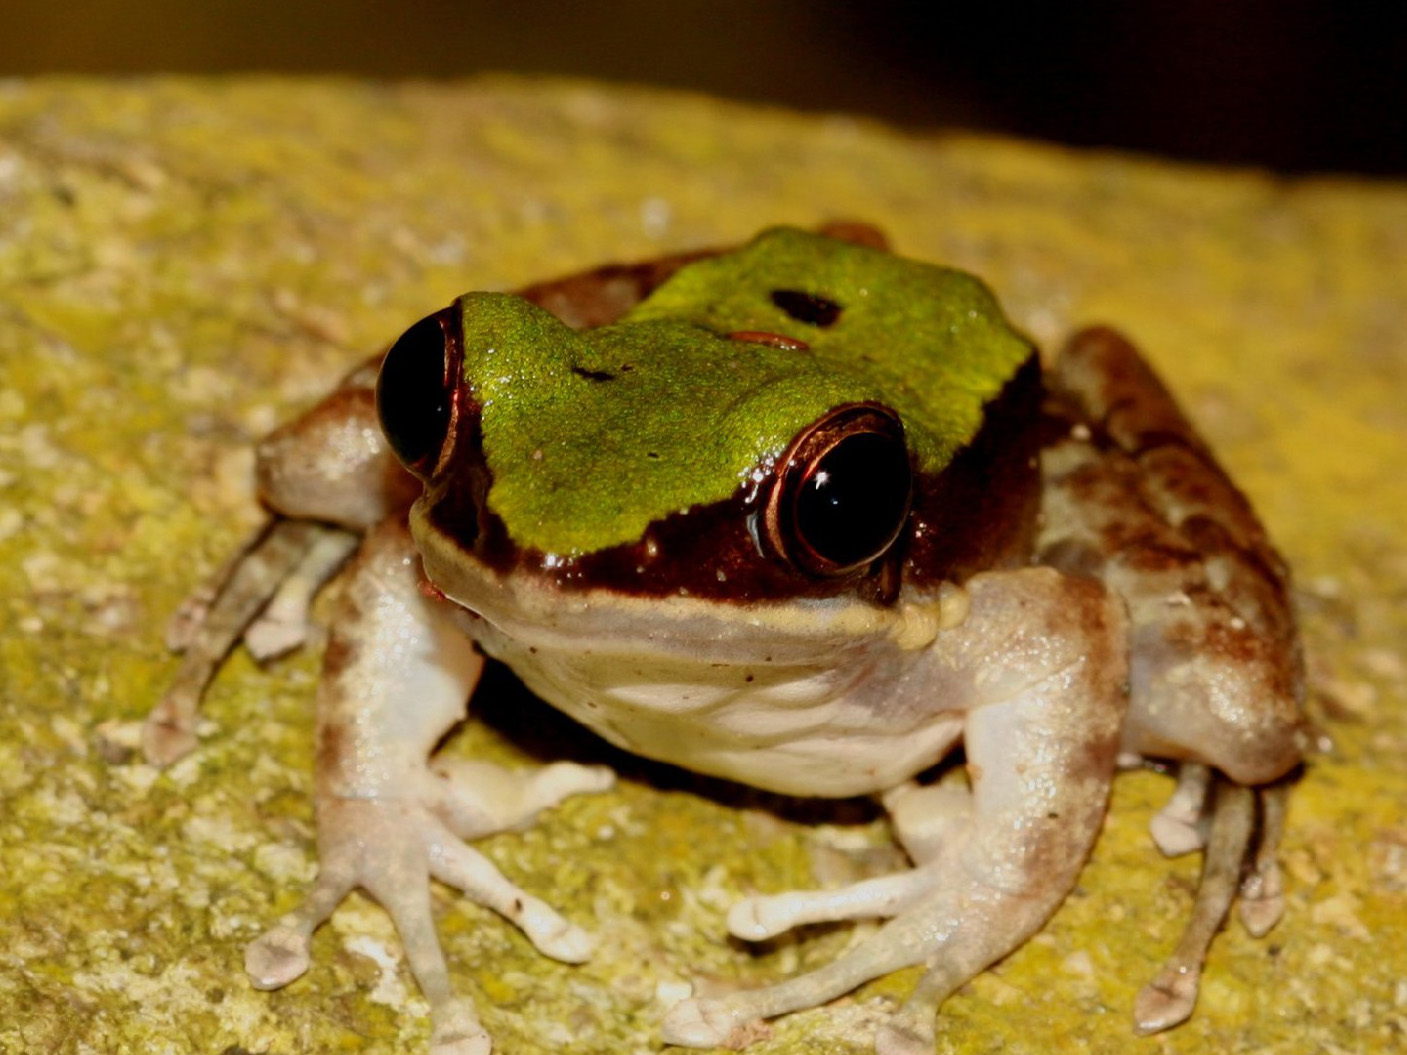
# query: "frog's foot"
{"points": [[459, 865], [282, 954], [707, 1024], [732, 1021], [926, 820], [989, 921], [760, 918], [456, 1031], [283, 624], [1191, 813], [1243, 828], [1262, 900], [480, 798], [392, 849], [1169, 999], [1181, 825]]}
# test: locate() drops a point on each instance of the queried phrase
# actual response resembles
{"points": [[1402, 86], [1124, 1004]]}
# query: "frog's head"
{"points": [[804, 417]]}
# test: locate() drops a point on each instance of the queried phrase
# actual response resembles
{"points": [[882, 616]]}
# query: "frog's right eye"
{"points": [[843, 492], [415, 391]]}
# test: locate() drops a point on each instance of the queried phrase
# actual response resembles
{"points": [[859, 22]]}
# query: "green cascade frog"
{"points": [[805, 515]]}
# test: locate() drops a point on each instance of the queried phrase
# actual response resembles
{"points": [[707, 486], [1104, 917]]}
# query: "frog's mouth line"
{"points": [[533, 610]]}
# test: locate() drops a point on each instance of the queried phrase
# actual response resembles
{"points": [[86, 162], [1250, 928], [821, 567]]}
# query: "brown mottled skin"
{"points": [[1083, 585], [1176, 539]]}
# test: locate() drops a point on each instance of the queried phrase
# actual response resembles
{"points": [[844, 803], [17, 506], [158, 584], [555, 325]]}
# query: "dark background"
{"points": [[1296, 85]]}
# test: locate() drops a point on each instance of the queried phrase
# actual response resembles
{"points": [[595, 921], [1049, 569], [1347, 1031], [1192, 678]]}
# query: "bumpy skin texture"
{"points": [[1133, 497], [1158, 626]]}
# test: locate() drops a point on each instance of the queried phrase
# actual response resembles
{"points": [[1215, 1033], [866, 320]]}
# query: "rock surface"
{"points": [[183, 264]]}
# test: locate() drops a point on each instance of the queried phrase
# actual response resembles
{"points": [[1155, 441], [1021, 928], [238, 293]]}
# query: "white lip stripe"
{"points": [[807, 697]]}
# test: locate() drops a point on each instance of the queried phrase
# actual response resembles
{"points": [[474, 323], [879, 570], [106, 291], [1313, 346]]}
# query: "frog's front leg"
{"points": [[218, 614], [396, 677], [284, 623], [1040, 666]]}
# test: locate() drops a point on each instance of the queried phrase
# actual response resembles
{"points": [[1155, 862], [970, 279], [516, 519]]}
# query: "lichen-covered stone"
{"points": [[183, 264]]}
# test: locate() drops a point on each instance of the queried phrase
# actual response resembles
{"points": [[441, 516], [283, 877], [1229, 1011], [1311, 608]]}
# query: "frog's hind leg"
{"points": [[1182, 826], [1170, 997], [1132, 496], [1262, 900], [1135, 498]]}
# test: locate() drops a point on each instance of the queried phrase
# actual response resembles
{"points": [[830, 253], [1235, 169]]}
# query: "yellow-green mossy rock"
{"points": [[183, 264]]}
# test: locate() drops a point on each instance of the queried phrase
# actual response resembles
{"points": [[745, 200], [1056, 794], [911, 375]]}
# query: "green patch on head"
{"points": [[592, 436]]}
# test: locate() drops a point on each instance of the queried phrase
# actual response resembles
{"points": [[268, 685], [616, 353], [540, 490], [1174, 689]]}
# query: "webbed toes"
{"points": [[271, 636], [901, 1038], [1167, 1000], [1262, 902], [759, 918], [165, 742], [553, 936], [705, 1024], [1176, 835], [277, 957], [570, 778], [1181, 826], [457, 1031]]}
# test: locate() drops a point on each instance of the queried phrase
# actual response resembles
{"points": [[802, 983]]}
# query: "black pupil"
{"points": [[851, 507], [411, 398]]}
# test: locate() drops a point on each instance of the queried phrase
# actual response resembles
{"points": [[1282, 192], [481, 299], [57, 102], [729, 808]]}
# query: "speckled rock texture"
{"points": [[184, 264]]}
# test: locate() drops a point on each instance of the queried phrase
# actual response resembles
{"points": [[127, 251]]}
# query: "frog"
{"points": [[802, 514]]}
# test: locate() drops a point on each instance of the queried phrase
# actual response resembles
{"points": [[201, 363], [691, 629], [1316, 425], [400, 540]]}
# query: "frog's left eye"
{"points": [[844, 490], [415, 391]]}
